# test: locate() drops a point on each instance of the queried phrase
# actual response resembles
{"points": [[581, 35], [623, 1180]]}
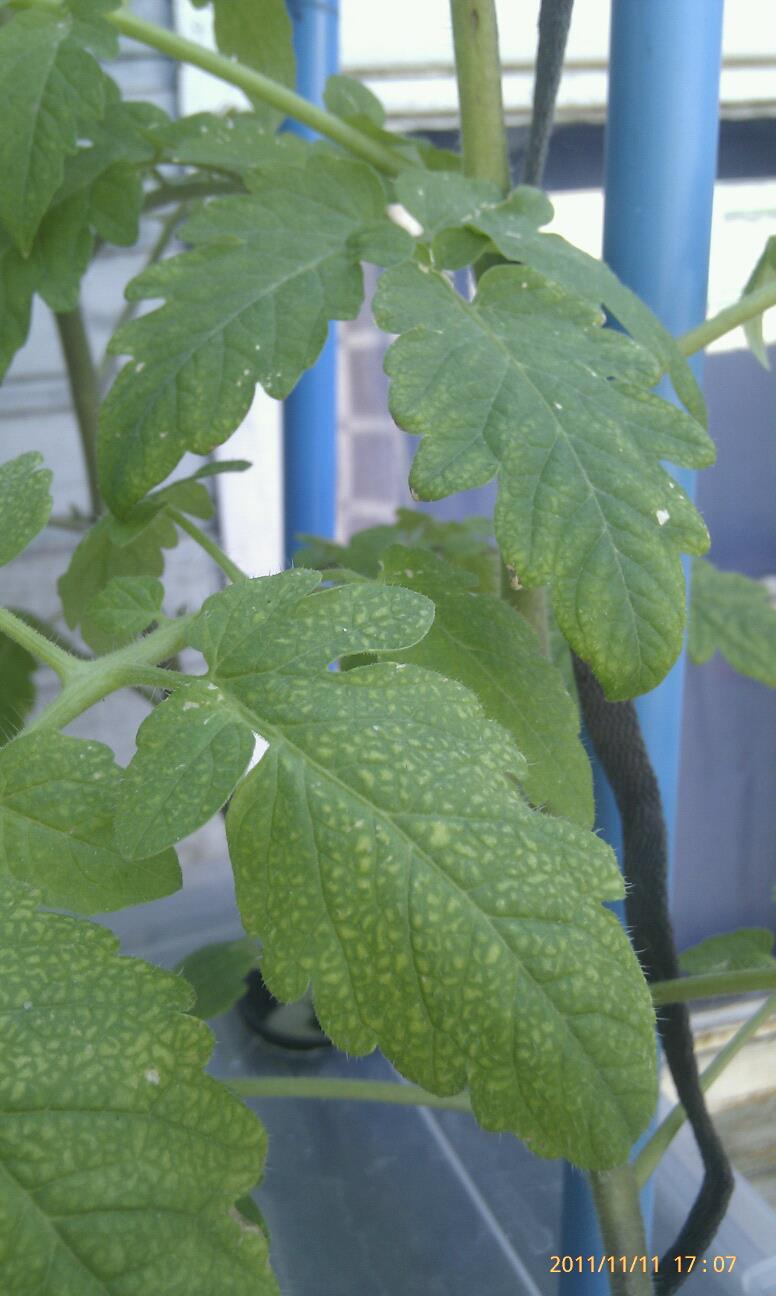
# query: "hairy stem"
{"points": [[255, 84], [657, 1145], [62, 662], [713, 985], [189, 190], [85, 393], [616, 1196], [207, 543], [89, 682], [750, 306], [383, 1091], [478, 71]]}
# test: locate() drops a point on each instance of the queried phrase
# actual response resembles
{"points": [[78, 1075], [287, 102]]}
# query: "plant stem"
{"points": [[751, 305], [655, 1148], [89, 682], [478, 71], [207, 543], [254, 84], [84, 391], [62, 662], [383, 1091], [713, 985], [184, 191], [616, 1195]]}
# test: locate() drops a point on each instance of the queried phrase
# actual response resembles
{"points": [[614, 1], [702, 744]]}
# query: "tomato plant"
{"points": [[416, 843]]}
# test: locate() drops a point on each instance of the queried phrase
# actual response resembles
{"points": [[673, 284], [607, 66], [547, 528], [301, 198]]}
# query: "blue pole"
{"points": [[310, 414], [660, 167]]}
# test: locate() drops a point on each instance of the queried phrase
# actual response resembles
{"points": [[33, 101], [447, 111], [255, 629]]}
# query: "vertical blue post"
{"points": [[661, 158], [310, 414]]}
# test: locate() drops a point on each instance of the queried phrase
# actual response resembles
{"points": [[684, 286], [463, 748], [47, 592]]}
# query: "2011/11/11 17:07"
{"points": [[640, 1263]]}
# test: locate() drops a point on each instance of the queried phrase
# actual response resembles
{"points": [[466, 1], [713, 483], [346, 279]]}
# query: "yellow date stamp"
{"points": [[648, 1264]]}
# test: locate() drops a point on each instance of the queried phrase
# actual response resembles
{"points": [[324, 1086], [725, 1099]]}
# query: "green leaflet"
{"points": [[101, 193], [235, 141], [217, 974], [121, 1160], [285, 264], [734, 615], [520, 383], [25, 502], [483, 643], [467, 544], [50, 89], [443, 201], [58, 797], [17, 687], [259, 33], [103, 554], [126, 606], [435, 913], [736, 951], [349, 99], [191, 752], [764, 272]]}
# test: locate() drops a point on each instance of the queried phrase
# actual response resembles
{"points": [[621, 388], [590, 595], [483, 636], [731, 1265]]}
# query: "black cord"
{"points": [[554, 22], [615, 733]]}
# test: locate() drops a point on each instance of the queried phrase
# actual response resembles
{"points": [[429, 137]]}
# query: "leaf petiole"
{"points": [[63, 663], [383, 1091], [207, 543], [749, 306]]}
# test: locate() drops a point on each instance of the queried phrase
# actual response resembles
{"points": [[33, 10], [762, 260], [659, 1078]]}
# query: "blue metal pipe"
{"points": [[660, 167], [310, 413]]}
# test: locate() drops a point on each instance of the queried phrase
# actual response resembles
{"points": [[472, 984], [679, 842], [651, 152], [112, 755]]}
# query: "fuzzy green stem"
{"points": [[658, 1144], [209, 545], [713, 985], [616, 1195], [256, 85], [383, 1091], [89, 682], [478, 71], [62, 662], [85, 393], [190, 190], [750, 306]]}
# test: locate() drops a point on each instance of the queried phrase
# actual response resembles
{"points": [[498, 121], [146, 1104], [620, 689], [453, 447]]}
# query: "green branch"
{"points": [[88, 682], [713, 985], [184, 191], [750, 306], [207, 543], [84, 392], [478, 72], [655, 1148], [382, 1091], [62, 662], [258, 86], [616, 1195]]}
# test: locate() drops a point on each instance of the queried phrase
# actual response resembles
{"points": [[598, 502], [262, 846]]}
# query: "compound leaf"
{"points": [[442, 202], [17, 686], [191, 752], [285, 264], [482, 642], [25, 502], [58, 798], [126, 606], [121, 1160], [217, 974], [50, 88], [734, 615], [524, 383], [736, 951], [433, 910]]}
